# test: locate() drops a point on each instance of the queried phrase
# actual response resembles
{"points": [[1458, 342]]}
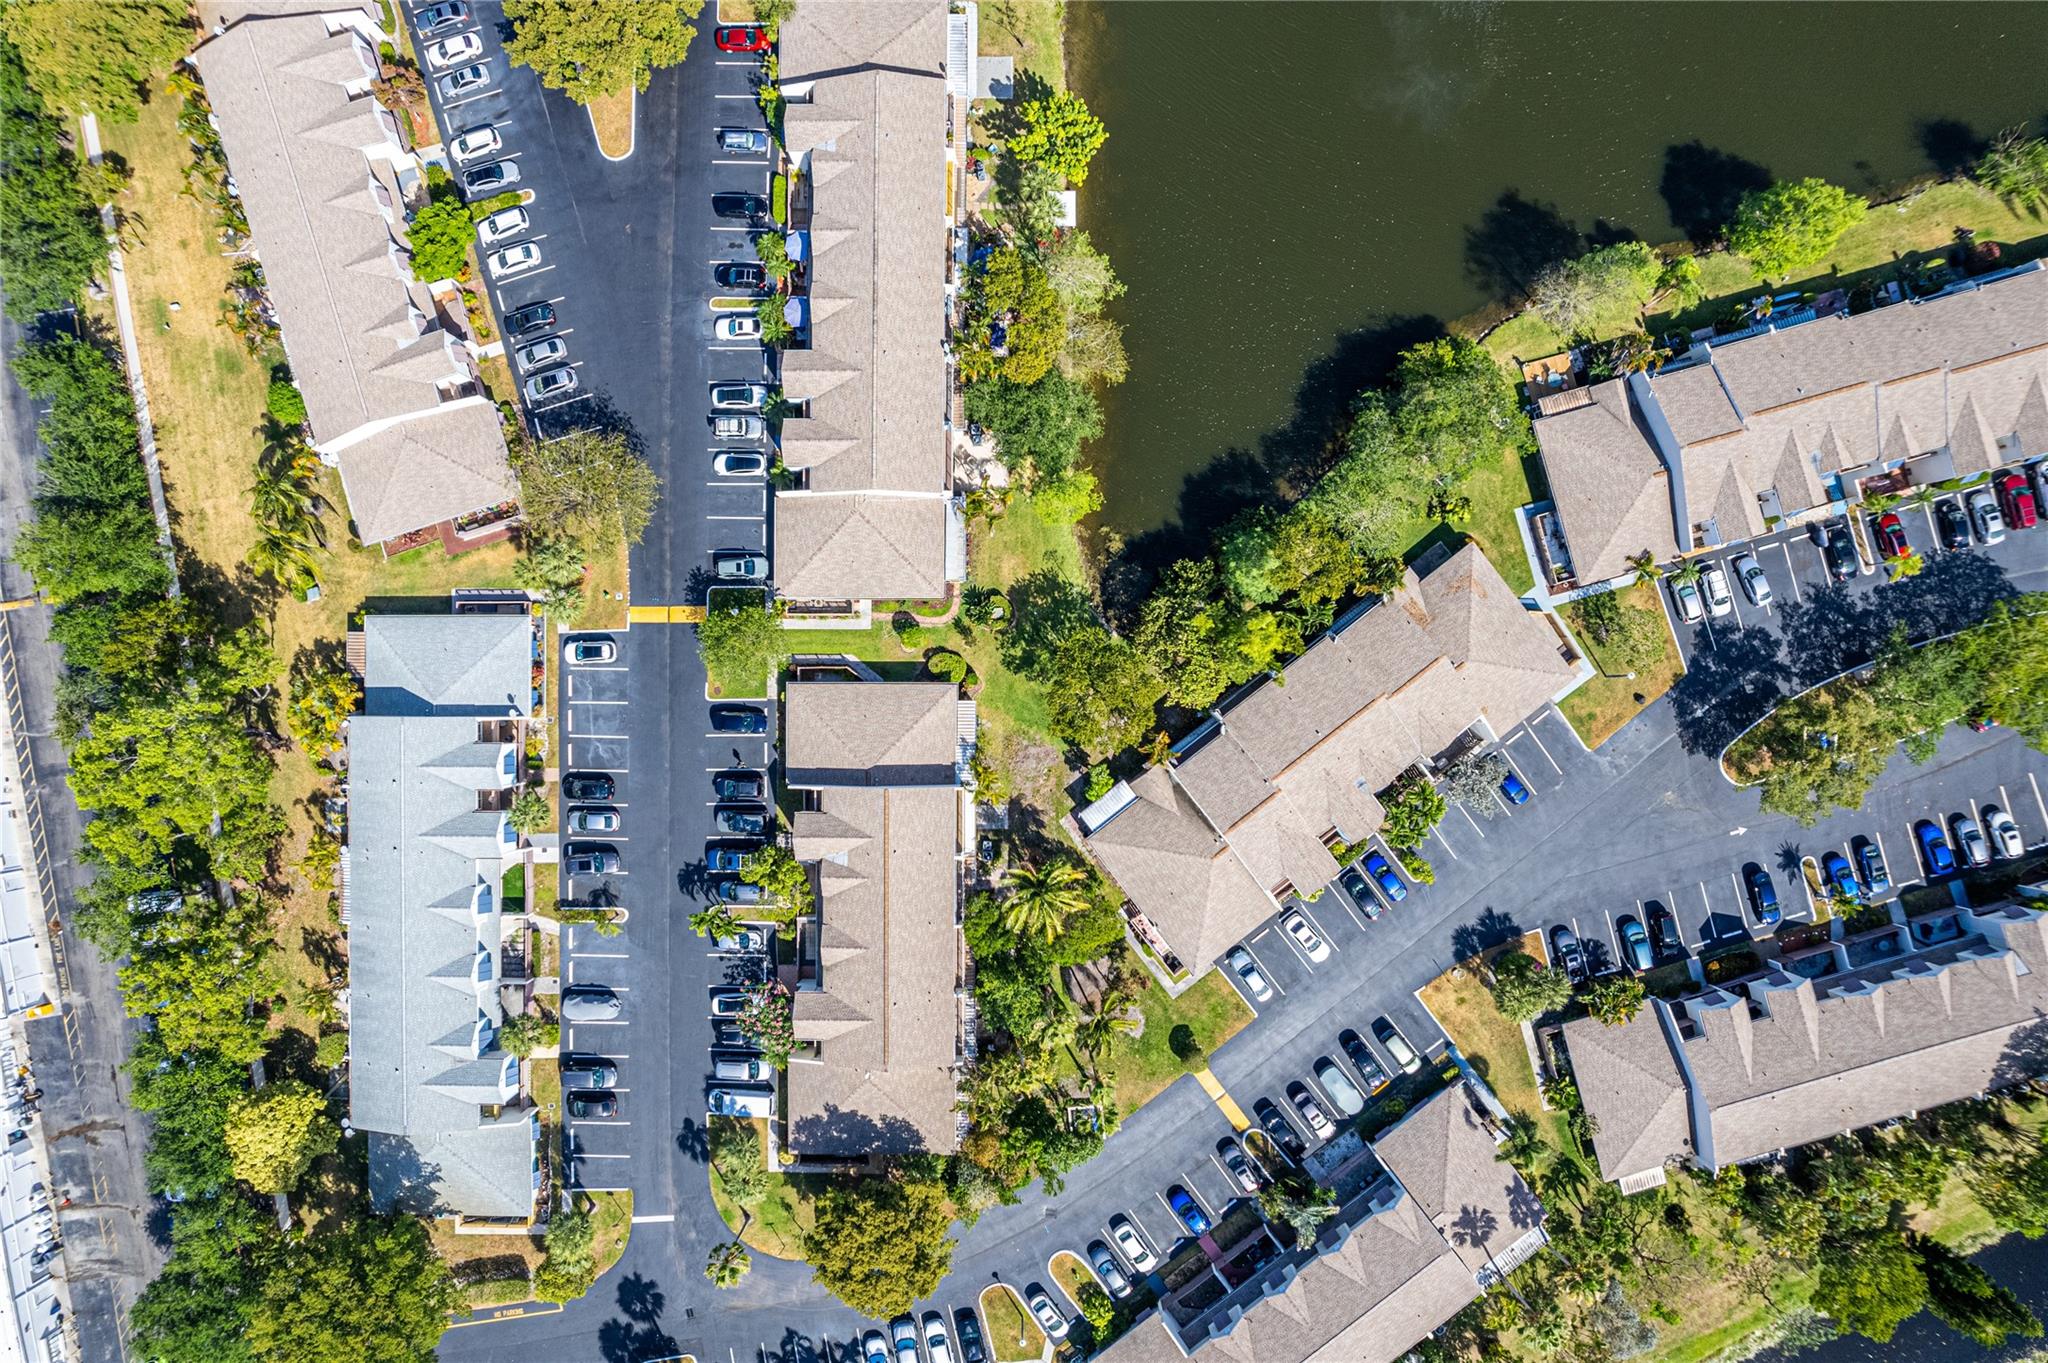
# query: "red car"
{"points": [[741, 38], [1891, 536], [2017, 501]]}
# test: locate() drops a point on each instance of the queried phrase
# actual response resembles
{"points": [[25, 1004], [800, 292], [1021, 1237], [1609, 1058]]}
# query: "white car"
{"points": [[738, 397], [743, 141], [1048, 1315], [2005, 834], [738, 427], [1295, 925], [738, 464], [740, 326], [514, 259], [1719, 601], [546, 351], [478, 141], [502, 225], [1248, 970], [1686, 597], [1131, 1243], [448, 51], [553, 383], [1750, 574]]}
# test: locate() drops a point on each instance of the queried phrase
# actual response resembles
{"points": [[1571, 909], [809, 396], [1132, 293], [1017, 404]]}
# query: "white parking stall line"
{"points": [[467, 99], [598, 1121], [735, 518], [747, 96], [1260, 962], [739, 161], [1790, 571], [1734, 598], [1708, 904], [655, 1219], [1885, 856], [585, 1154], [1919, 857], [727, 61], [1469, 819], [1356, 916], [1188, 1183], [602, 955], [2039, 803], [1530, 729], [602, 1022], [1933, 534], [732, 347], [1613, 935], [1317, 924], [522, 276], [593, 700], [722, 228], [1439, 832]]}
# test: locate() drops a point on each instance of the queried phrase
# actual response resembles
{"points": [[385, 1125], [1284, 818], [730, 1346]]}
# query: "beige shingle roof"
{"points": [[1627, 1075], [856, 547], [1446, 1159], [1611, 491], [853, 733], [420, 472]]}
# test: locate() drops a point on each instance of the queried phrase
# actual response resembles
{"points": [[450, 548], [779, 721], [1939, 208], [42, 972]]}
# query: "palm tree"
{"points": [[1688, 571], [1646, 566], [283, 557], [1042, 898], [728, 1264], [1905, 565]]}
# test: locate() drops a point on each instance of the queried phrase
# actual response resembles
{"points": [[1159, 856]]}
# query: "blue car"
{"points": [[1635, 943], [1870, 861], [718, 858], [1763, 897], [1184, 1207], [1840, 880], [1934, 848], [1512, 787], [1376, 867]]}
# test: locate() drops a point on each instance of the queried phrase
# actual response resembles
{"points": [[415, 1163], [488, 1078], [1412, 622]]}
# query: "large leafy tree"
{"points": [[1616, 999], [96, 58], [1303, 552], [1609, 285], [571, 1263], [199, 1307], [2015, 168], [588, 486], [195, 969], [1011, 291], [740, 636], [275, 1134], [1038, 426], [372, 1292], [1198, 642], [589, 51], [1101, 693], [879, 1244], [1455, 409], [1792, 224], [1523, 989], [51, 242], [1059, 134], [187, 1095], [2012, 1185], [1869, 1283]]}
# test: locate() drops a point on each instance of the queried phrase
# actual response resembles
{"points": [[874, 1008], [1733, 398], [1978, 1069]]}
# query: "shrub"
{"points": [[947, 666], [286, 403], [1099, 781], [778, 200]]}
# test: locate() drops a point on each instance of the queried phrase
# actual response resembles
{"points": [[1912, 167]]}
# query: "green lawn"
{"points": [[775, 1225], [1489, 1042], [1072, 1276], [1611, 698], [744, 678], [1145, 1065], [1030, 31], [1013, 1337]]}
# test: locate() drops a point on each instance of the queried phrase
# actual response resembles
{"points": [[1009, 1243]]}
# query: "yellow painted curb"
{"points": [[1227, 1104], [664, 615]]}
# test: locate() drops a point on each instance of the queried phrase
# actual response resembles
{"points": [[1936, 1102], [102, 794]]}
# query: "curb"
{"points": [[632, 128]]}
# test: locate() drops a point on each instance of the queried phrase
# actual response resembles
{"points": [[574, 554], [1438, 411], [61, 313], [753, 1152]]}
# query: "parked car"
{"points": [[589, 785], [501, 226], [741, 38], [2005, 834], [1763, 896], [1188, 1210], [738, 428], [490, 179], [1383, 876], [1714, 582], [1358, 892], [738, 464], [1512, 787], [903, 1330], [532, 317], [2016, 500], [739, 567], [1319, 1123], [1870, 867], [1238, 1164], [739, 892], [481, 140], [446, 52], [593, 859], [590, 1003], [1841, 551], [1750, 574], [873, 1348], [746, 941], [738, 397], [1985, 517], [1295, 924], [936, 1344], [581, 651], [1125, 1233], [728, 1037], [592, 1103], [1248, 970], [1836, 876], [1686, 597], [1363, 1060], [588, 1072], [468, 80], [738, 274], [1969, 840], [1566, 954], [513, 259], [1388, 1035], [967, 1328], [724, 1102], [719, 857], [750, 207], [434, 18], [1934, 848], [1890, 533], [2038, 471], [1954, 525], [1635, 943], [1350, 1102], [728, 1003], [1664, 931], [594, 819], [1049, 1317], [743, 141], [552, 383], [738, 719], [539, 354], [1106, 1268], [1275, 1124], [737, 326], [738, 785], [740, 822]]}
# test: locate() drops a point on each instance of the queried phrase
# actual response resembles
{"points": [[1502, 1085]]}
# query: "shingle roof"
{"points": [[858, 733], [1626, 1074], [436, 664], [439, 465], [1611, 491], [1447, 1160], [833, 547]]}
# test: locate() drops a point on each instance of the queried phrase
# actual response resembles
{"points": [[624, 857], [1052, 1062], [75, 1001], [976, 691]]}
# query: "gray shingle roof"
{"points": [[437, 664], [1626, 1075], [858, 733], [1610, 489], [1447, 1160], [850, 546]]}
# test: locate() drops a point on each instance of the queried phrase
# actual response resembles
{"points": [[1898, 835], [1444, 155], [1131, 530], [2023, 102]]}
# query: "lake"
{"points": [[1294, 192]]}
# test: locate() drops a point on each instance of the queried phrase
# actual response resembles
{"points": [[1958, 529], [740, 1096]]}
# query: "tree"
{"points": [[571, 1247], [1611, 283], [772, 312], [1523, 989], [740, 636], [554, 570], [525, 1033], [1091, 933], [373, 1289], [767, 1018], [591, 51], [97, 58], [728, 1264], [1059, 134], [322, 699], [1094, 349], [1081, 275], [1964, 1297], [1042, 898], [1792, 224], [187, 1096], [736, 1159], [285, 403], [51, 241], [716, 921], [440, 233], [2013, 1187], [1680, 281], [195, 969], [781, 875], [197, 1309], [879, 1244], [1474, 781], [1412, 807], [772, 248], [588, 487], [1298, 1202], [1455, 409], [1868, 1282], [1616, 999], [1101, 693], [275, 1134], [2015, 168], [1011, 297], [1269, 554], [1194, 639], [1097, 1309], [1038, 426]]}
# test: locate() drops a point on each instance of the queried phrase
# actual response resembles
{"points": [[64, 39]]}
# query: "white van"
{"points": [[742, 1103], [749, 1070]]}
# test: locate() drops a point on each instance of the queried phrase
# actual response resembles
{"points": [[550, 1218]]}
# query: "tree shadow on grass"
{"points": [[1702, 185], [1045, 609]]}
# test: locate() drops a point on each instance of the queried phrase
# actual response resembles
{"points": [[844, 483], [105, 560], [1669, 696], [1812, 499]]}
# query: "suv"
{"points": [[594, 786], [738, 719], [1715, 581], [1389, 1036], [1358, 892], [739, 567], [1686, 597], [1363, 1060], [748, 206], [1635, 943], [588, 1072], [738, 397], [738, 274], [737, 785], [1565, 951], [2016, 498], [593, 860], [1841, 551]]}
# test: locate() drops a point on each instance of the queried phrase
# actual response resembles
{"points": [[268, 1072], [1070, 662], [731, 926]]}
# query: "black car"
{"points": [[589, 785], [1275, 1124], [968, 1329], [738, 719], [1566, 954], [728, 1037], [1955, 526], [588, 1103], [738, 274], [1363, 1060], [532, 317], [739, 206], [1664, 931], [737, 785], [1841, 551], [1358, 892]]}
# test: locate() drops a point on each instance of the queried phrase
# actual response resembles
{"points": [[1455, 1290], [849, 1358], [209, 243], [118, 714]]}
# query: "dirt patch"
{"points": [[611, 118]]}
